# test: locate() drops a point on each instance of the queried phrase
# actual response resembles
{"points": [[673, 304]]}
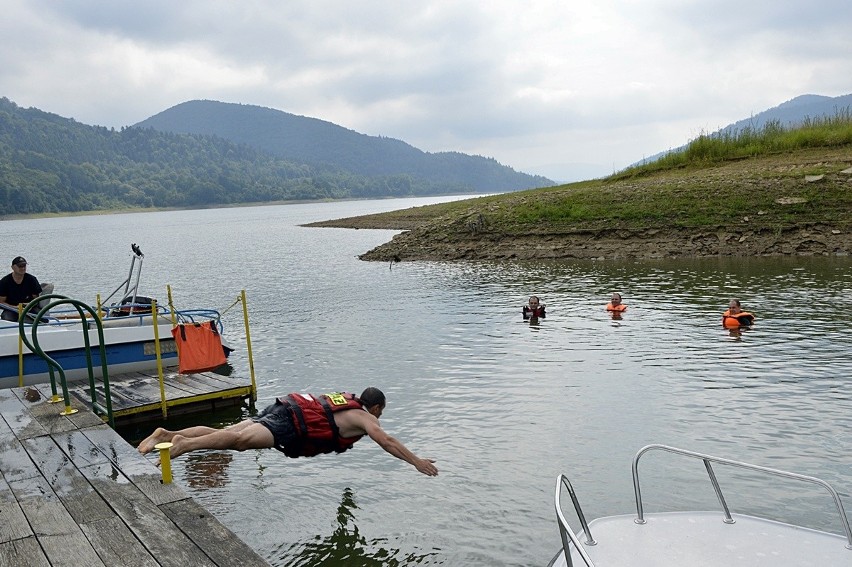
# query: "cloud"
{"points": [[530, 84]]}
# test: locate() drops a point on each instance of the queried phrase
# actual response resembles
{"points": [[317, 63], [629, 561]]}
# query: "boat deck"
{"points": [[693, 538], [72, 491]]}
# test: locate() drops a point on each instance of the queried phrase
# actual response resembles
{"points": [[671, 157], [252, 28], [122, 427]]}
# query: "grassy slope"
{"points": [[756, 183]]}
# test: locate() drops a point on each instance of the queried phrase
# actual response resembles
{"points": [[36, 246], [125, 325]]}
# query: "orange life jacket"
{"points": [[199, 347], [620, 307], [741, 319], [313, 418]]}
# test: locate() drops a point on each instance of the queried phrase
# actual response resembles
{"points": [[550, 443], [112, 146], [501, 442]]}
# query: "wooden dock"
{"points": [[73, 492], [136, 397]]}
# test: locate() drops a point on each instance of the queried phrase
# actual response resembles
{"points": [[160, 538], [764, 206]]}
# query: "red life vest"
{"points": [[313, 419], [611, 307], [741, 319], [537, 312]]}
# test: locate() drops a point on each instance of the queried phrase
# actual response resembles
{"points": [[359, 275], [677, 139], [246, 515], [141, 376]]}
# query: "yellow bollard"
{"points": [[165, 461], [55, 399], [68, 411]]}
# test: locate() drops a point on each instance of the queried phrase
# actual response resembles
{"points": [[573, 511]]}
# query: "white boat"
{"points": [[699, 538], [128, 337]]}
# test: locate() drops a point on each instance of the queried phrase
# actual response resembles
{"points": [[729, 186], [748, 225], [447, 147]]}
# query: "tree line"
{"points": [[51, 164]]}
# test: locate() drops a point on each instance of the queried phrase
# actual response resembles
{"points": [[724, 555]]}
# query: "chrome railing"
{"points": [[707, 459]]}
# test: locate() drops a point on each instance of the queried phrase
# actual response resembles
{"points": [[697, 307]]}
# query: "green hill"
{"points": [[317, 142], [51, 164]]}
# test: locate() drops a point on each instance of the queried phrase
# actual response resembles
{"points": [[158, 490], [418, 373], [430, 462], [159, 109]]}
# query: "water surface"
{"points": [[502, 405]]}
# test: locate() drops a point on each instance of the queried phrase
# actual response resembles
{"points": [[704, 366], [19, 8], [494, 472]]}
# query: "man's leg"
{"points": [[161, 435], [238, 438]]}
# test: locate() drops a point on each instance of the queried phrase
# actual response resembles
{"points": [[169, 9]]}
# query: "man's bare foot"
{"points": [[159, 435], [178, 447]]}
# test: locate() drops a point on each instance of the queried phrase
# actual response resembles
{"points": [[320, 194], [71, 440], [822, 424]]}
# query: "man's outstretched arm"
{"points": [[396, 448]]}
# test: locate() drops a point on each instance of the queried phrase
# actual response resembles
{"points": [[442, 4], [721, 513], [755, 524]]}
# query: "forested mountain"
{"points": [[53, 164], [317, 142]]}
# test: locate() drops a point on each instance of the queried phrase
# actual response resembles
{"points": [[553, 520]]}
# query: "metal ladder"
{"points": [[56, 300]]}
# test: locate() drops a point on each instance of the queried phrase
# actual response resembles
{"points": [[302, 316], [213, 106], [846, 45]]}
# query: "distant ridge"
{"points": [[302, 139], [51, 164], [791, 113], [794, 111]]}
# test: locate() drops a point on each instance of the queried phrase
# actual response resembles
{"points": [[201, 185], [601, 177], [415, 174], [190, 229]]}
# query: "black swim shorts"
{"points": [[277, 419]]}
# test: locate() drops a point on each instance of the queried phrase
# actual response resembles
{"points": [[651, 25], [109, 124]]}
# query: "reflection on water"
{"points": [[502, 405], [346, 546], [207, 470]]}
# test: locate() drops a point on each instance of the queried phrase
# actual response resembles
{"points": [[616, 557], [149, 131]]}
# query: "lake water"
{"points": [[502, 405]]}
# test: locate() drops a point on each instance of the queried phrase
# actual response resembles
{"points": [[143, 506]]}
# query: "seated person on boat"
{"points": [[19, 288], [534, 309], [734, 317]]}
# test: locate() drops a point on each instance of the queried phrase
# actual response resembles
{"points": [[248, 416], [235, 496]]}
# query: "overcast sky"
{"points": [[569, 88]]}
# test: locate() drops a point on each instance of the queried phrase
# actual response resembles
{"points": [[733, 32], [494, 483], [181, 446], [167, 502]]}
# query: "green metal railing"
{"points": [[82, 309]]}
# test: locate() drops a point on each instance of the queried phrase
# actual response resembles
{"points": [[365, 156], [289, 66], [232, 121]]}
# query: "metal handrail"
{"points": [[565, 532], [707, 459], [52, 364]]}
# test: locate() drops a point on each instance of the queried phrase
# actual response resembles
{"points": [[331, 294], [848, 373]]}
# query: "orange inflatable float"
{"points": [[737, 320]]}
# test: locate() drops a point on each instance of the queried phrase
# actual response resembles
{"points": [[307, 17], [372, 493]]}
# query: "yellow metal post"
{"points": [[156, 322], [171, 304], [248, 347], [68, 411], [165, 461]]}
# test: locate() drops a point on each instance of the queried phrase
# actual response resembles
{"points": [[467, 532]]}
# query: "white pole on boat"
{"points": [[156, 322], [20, 352], [248, 347]]}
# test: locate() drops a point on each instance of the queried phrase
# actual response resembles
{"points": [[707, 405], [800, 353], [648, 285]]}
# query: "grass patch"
{"points": [[824, 132]]}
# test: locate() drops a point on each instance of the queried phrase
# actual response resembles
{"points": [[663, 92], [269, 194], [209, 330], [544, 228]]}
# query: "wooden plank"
{"points": [[86, 497], [116, 544], [119, 399], [43, 509], [79, 448], [13, 523], [219, 382], [70, 486], [136, 467], [70, 549], [46, 413], [147, 522], [80, 398], [18, 417], [59, 536], [146, 391], [211, 536], [22, 553], [187, 383], [15, 463]]}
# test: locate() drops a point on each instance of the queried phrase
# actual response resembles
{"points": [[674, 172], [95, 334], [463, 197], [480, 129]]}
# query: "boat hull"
{"points": [[129, 344]]}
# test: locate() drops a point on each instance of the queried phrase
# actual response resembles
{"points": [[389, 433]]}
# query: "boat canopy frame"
{"points": [[131, 282]]}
